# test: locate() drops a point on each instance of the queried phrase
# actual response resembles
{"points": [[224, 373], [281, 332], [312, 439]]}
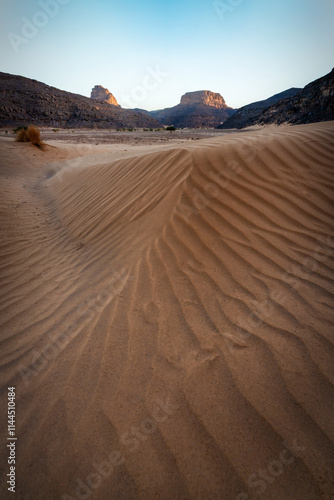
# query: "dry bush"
{"points": [[30, 134], [21, 135], [34, 136]]}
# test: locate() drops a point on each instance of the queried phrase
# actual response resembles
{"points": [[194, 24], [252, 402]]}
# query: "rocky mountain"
{"points": [[314, 103], [203, 97], [101, 94], [250, 111], [196, 109], [24, 101]]}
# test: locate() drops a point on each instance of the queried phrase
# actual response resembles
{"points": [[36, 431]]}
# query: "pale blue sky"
{"points": [[246, 50]]}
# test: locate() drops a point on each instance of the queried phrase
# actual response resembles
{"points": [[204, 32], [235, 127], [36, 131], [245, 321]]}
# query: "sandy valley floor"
{"points": [[167, 315]]}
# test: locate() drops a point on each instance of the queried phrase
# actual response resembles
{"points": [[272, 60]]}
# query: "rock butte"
{"points": [[102, 94], [204, 97]]}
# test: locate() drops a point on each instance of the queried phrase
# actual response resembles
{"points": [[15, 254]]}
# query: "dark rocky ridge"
{"points": [[246, 113], [196, 109], [24, 101], [314, 103]]}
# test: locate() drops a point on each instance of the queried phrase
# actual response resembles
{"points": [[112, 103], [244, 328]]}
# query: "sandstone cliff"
{"points": [[101, 94], [203, 97], [24, 101]]}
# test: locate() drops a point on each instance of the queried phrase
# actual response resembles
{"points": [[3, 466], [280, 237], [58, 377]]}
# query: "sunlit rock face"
{"points": [[204, 97], [102, 94], [200, 109]]}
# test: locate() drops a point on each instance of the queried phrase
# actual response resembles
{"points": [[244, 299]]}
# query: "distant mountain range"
{"points": [[313, 103], [25, 101]]}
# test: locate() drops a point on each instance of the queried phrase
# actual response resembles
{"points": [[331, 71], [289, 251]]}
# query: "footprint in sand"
{"points": [[151, 313]]}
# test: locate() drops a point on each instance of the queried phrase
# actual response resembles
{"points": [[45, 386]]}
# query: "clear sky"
{"points": [[150, 52]]}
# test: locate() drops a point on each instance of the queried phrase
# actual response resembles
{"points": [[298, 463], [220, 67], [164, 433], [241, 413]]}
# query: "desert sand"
{"points": [[167, 317]]}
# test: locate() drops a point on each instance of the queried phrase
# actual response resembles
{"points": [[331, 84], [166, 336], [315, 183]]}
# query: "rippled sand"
{"points": [[167, 317]]}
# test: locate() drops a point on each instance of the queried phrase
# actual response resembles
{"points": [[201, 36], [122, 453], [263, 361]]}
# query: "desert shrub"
{"points": [[151, 129], [130, 129], [34, 136], [30, 134], [170, 128], [21, 135], [55, 129], [145, 129]]}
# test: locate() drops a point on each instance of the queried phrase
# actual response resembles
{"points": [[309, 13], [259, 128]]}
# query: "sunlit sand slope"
{"points": [[167, 321]]}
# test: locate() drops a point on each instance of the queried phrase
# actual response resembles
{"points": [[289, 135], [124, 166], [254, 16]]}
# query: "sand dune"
{"points": [[167, 319]]}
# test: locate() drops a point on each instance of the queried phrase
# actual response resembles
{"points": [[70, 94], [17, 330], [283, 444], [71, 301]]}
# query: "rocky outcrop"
{"points": [[203, 97], [24, 101], [314, 103], [243, 115], [101, 94], [201, 109]]}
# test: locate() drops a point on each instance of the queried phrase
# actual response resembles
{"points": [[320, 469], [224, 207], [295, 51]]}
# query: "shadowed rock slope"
{"points": [[314, 103], [23, 101], [246, 113]]}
